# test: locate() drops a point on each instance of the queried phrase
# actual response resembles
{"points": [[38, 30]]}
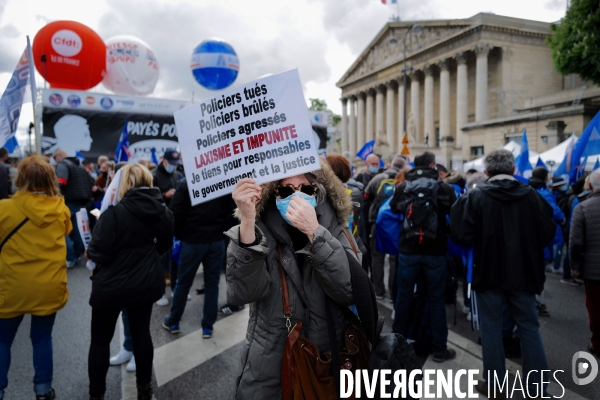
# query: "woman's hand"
{"points": [[245, 195], [303, 216]]}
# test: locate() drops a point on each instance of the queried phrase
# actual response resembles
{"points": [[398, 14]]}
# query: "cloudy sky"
{"points": [[321, 38]]}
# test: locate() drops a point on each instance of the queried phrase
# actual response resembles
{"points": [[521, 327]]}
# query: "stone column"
{"points": [[389, 116], [481, 82], [370, 115], [400, 111], [556, 134], [379, 128], [462, 96], [344, 125], [446, 146], [360, 121], [414, 105], [444, 98], [352, 124], [429, 126]]}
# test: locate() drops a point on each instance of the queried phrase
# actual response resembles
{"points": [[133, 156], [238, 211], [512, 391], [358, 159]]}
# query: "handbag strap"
{"points": [[351, 240], [287, 310], [13, 232]]}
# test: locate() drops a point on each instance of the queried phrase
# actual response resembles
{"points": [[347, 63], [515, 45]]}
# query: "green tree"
{"points": [[321, 105], [575, 41]]}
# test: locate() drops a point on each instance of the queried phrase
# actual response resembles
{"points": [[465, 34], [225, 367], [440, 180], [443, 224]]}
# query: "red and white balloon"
{"points": [[69, 55], [131, 67]]}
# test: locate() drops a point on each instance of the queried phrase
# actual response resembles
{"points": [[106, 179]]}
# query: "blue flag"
{"points": [[12, 100], [540, 163], [366, 150], [524, 167], [153, 156], [597, 165], [571, 164], [80, 156], [122, 151], [11, 145]]}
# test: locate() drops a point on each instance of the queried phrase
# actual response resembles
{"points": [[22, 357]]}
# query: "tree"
{"points": [[321, 105], [575, 41]]}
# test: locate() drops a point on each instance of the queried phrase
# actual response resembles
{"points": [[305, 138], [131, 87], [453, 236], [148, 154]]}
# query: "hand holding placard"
{"points": [[260, 131]]}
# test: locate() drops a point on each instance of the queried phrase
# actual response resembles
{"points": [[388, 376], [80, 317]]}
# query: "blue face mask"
{"points": [[170, 168], [283, 204], [372, 169]]}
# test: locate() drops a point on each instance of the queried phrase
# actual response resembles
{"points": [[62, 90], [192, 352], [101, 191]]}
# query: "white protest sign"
{"points": [[83, 223], [260, 130]]}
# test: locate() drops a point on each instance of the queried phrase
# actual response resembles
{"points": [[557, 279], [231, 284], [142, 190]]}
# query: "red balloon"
{"points": [[75, 55]]}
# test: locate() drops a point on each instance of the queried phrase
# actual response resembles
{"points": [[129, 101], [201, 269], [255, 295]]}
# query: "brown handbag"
{"points": [[307, 374]]}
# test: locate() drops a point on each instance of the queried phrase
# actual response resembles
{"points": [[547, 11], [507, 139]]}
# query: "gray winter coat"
{"points": [[584, 242], [253, 277]]}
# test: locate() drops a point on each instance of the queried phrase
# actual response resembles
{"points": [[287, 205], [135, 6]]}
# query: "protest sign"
{"points": [[260, 130], [83, 223]]}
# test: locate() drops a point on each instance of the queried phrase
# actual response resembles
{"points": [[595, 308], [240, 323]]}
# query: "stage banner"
{"points": [[93, 133], [261, 130]]}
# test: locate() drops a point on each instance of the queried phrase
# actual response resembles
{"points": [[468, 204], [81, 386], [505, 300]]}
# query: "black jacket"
{"points": [[165, 181], [445, 198], [74, 181], [126, 245], [5, 183], [508, 224], [204, 223]]}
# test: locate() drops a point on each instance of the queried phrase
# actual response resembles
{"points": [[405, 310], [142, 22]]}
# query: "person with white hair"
{"points": [[584, 253]]}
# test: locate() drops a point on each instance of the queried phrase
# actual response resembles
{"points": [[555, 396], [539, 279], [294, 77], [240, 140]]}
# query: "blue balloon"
{"points": [[215, 64]]}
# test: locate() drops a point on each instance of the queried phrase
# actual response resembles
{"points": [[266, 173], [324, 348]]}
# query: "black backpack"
{"points": [[420, 210]]}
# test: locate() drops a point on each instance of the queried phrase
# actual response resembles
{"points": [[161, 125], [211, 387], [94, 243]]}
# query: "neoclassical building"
{"points": [[472, 85]]}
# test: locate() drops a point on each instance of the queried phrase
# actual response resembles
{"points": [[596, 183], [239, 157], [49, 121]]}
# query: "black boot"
{"points": [[144, 391], [48, 396], [97, 397]]}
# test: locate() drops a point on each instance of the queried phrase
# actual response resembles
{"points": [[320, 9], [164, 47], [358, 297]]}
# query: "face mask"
{"points": [[170, 168], [372, 169], [564, 188], [283, 204]]}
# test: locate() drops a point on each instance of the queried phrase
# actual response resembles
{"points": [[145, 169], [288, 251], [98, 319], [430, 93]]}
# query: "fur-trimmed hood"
{"points": [[335, 190], [455, 177]]}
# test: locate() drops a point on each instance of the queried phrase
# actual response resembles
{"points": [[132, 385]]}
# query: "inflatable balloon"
{"points": [[69, 55], [131, 67], [214, 64]]}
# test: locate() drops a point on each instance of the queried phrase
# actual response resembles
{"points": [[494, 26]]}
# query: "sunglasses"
{"points": [[288, 190]]}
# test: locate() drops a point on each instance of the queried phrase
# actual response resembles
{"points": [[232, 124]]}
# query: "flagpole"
{"points": [[33, 97]]}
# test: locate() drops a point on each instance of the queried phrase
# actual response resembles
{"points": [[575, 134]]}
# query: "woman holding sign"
{"points": [[33, 270], [290, 257]]}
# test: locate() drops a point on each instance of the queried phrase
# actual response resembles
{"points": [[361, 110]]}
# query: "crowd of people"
{"points": [[286, 248]]}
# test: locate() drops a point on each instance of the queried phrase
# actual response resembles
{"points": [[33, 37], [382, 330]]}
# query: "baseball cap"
{"points": [[172, 156], [559, 181]]}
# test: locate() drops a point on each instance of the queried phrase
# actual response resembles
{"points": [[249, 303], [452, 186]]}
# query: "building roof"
{"points": [[381, 54]]}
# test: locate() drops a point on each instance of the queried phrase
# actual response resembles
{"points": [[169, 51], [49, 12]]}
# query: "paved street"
{"points": [[189, 367]]}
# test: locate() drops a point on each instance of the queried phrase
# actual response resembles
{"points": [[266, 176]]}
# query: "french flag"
{"points": [[391, 1]]}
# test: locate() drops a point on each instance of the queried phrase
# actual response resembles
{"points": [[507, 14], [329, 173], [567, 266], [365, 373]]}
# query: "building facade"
{"points": [[471, 86]]}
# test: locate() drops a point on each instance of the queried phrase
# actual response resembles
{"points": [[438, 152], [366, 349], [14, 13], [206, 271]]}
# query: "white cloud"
{"points": [[320, 37]]}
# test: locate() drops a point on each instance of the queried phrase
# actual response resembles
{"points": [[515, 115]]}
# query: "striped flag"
{"points": [[122, 151]]}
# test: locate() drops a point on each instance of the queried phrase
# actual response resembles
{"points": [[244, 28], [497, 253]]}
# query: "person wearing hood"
{"points": [[508, 225], [76, 187], [458, 183], [421, 256], [126, 246], [33, 274], [293, 227]]}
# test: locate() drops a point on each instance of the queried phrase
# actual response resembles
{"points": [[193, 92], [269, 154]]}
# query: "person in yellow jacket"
{"points": [[33, 271]]}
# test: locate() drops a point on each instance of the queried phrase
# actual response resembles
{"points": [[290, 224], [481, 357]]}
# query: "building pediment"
{"points": [[388, 47]]}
